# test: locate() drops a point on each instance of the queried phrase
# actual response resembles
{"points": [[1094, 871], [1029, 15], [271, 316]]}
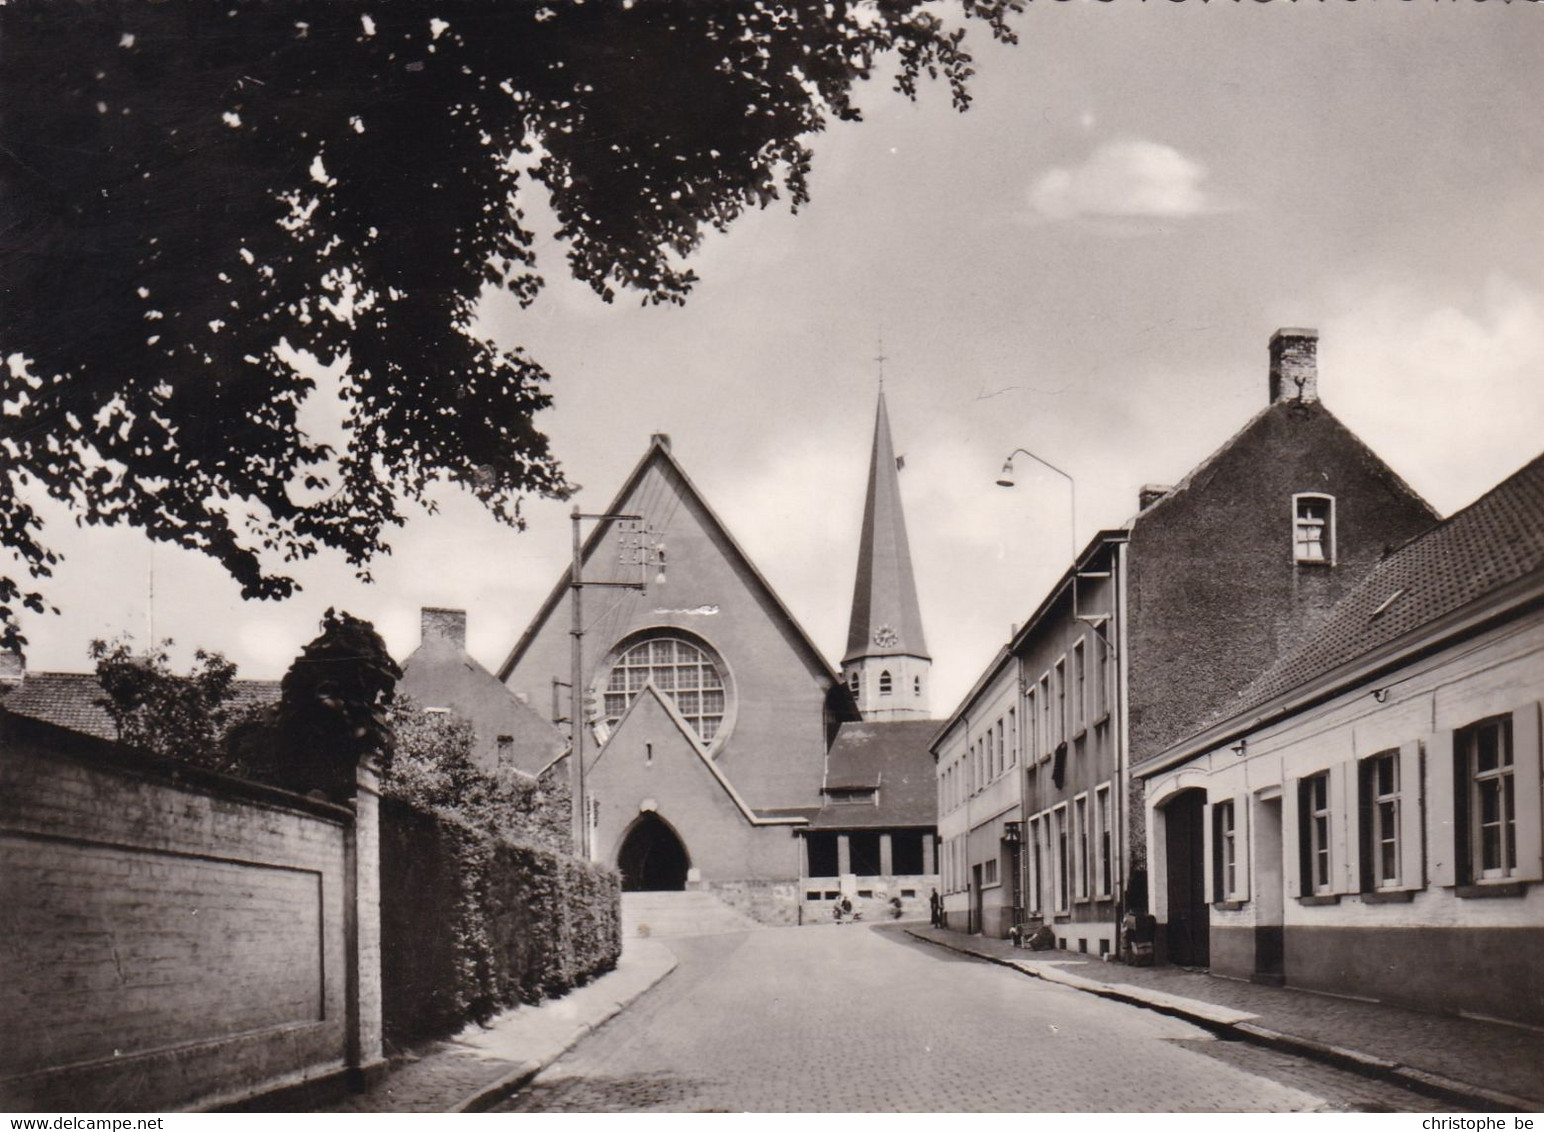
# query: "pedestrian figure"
{"points": [[935, 908], [845, 909]]}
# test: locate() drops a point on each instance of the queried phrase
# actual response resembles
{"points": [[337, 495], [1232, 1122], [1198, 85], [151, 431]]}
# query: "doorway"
{"points": [[1270, 935], [977, 904], [1189, 928], [652, 858]]}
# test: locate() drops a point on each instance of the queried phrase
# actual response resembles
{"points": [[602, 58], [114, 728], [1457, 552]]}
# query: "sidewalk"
{"points": [[481, 1066], [1489, 1065]]}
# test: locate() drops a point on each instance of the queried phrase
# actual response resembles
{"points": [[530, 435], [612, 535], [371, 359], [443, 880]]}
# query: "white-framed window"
{"points": [[1002, 746], [1314, 832], [1080, 871], [886, 685], [1061, 701], [1379, 787], [1485, 751], [989, 871], [1313, 528], [1103, 860], [916, 685], [1047, 731], [680, 670], [852, 681], [1224, 850], [1013, 737], [1079, 687], [1102, 677], [1060, 850]]}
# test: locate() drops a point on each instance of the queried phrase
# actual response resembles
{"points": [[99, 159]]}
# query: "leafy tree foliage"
{"points": [[162, 712], [432, 767], [187, 186], [333, 707]]}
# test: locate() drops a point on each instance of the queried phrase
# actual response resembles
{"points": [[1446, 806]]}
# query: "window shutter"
{"points": [[1442, 802], [1292, 830], [1342, 792], [1241, 847], [1412, 836], [1525, 782]]}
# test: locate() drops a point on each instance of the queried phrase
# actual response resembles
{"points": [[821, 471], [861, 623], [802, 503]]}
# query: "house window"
{"points": [[1101, 678], [1080, 839], [1224, 850], [1379, 788], [1486, 753], [1102, 838], [1002, 748], [1313, 528], [1314, 819], [680, 671], [1063, 887], [1079, 686], [884, 683], [1013, 737], [1046, 740], [989, 871], [1061, 701]]}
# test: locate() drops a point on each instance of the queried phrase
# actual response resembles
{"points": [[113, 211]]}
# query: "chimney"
{"points": [[1151, 493], [447, 625], [1294, 365]]}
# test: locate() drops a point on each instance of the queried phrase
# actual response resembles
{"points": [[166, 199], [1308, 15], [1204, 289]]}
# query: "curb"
{"points": [[1237, 1028], [526, 1071]]}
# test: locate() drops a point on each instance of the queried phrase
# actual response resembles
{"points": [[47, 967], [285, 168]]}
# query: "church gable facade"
{"points": [[702, 661]]}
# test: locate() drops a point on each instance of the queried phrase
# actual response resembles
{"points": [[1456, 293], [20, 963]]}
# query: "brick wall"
{"points": [[170, 938]]}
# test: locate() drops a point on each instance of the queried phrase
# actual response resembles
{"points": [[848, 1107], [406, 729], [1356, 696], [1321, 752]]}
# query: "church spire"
{"points": [[886, 661]]}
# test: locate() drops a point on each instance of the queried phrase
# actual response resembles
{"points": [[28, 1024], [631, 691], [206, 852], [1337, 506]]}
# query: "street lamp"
{"points": [[576, 721], [1005, 479]]}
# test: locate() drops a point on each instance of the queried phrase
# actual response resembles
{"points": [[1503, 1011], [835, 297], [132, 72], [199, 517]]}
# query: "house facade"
{"points": [[1366, 819], [1156, 624]]}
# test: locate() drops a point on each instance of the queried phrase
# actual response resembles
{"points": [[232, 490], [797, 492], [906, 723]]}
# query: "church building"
{"points": [[710, 715]]}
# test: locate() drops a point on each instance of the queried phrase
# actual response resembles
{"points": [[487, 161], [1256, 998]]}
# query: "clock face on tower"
{"points": [[885, 637]]}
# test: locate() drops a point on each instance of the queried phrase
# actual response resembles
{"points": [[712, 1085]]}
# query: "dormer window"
{"points": [[884, 683], [1313, 529]]}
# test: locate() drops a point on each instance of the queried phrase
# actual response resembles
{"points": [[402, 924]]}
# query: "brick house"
{"points": [[1155, 626], [1369, 808]]}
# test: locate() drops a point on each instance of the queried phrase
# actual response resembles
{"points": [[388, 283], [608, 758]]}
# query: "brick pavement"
{"points": [[837, 1019], [1488, 1062]]}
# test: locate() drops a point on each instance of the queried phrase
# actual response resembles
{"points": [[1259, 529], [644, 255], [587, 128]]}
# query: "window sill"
{"points": [[1080, 734], [1496, 890], [1062, 918], [1102, 718], [1320, 901], [1315, 563], [1229, 905], [1389, 896]]}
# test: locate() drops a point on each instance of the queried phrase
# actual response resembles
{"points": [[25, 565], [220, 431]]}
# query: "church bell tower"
{"points": [[886, 665]]}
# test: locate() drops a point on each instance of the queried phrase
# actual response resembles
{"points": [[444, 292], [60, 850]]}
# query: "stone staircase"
{"points": [[680, 913]]}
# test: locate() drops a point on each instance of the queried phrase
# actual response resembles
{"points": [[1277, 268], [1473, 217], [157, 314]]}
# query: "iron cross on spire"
{"points": [[881, 358]]}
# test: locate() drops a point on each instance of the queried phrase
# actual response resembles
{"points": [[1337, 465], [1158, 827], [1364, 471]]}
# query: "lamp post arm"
{"points": [[1072, 486]]}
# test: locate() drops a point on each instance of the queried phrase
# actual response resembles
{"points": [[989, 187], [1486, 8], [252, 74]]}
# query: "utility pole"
{"points": [[576, 720]]}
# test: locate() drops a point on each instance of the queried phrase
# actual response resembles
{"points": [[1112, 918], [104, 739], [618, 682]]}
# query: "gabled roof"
{"points": [[1496, 540], [652, 695], [890, 756], [659, 452], [1463, 570], [886, 619], [72, 700]]}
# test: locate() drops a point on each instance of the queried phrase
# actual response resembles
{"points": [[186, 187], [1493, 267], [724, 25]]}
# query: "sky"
{"points": [[1088, 264]]}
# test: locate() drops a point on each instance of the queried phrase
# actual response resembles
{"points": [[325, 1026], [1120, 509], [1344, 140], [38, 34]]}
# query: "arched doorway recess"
{"points": [[652, 858]]}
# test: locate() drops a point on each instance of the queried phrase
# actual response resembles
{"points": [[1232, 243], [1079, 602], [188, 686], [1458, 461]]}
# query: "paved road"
{"points": [[867, 1020]]}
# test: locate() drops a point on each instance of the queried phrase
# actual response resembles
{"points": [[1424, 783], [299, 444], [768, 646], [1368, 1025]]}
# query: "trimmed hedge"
{"points": [[471, 923]]}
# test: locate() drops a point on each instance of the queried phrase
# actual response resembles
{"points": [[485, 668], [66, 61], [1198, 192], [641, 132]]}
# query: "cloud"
{"points": [[1448, 390], [1131, 178]]}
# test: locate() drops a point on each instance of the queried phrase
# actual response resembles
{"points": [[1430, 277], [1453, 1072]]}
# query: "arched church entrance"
{"points": [[652, 858]]}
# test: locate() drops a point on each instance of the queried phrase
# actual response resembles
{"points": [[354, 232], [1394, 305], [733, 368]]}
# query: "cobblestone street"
{"points": [[859, 1019]]}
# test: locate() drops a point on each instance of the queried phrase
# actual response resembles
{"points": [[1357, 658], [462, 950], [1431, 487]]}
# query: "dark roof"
{"points": [[71, 700], [892, 756], [1496, 540], [886, 619]]}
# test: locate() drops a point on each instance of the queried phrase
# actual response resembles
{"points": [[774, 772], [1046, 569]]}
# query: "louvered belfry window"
{"points": [[681, 671]]}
